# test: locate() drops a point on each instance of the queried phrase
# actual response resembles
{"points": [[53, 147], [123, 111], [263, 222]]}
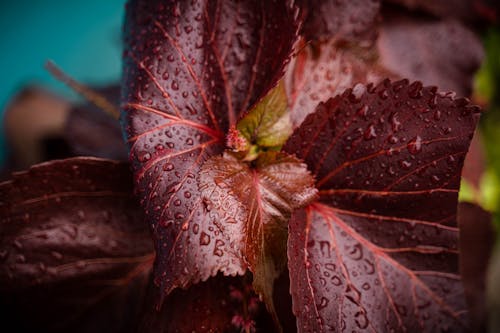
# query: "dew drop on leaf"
{"points": [[415, 145], [204, 238]]}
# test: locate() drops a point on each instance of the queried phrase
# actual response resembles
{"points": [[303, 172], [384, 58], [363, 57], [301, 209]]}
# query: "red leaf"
{"points": [[191, 69], [467, 10], [220, 304], [381, 249], [91, 131], [73, 247], [326, 69], [414, 48], [253, 206], [477, 240], [341, 19]]}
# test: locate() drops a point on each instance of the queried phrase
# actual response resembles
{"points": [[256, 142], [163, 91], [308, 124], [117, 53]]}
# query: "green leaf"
{"points": [[268, 124], [254, 205]]}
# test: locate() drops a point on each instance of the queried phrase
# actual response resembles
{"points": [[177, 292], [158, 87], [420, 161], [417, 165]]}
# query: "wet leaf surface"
{"points": [[252, 207], [191, 69], [323, 70], [415, 48], [220, 304], [341, 19], [75, 252], [368, 254]]}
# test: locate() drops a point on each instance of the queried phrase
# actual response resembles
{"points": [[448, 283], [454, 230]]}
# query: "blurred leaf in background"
{"points": [[487, 93]]}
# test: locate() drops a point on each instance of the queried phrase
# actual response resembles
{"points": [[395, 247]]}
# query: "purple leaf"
{"points": [[252, 207], [477, 239], [380, 249], [191, 70], [440, 52], [467, 10], [73, 246], [92, 132], [326, 69], [341, 19], [220, 304]]}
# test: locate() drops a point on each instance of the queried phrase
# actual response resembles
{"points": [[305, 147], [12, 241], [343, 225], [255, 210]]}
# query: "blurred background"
{"points": [[81, 36]]}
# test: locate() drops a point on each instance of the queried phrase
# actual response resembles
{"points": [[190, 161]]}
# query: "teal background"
{"points": [[81, 36]]}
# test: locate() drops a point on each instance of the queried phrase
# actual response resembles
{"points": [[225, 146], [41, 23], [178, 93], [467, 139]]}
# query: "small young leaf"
{"points": [[191, 69], [73, 247], [268, 124], [380, 248], [263, 198]]}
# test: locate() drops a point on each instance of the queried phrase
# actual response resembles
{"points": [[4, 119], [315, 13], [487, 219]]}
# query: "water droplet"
{"points": [[415, 145], [365, 286], [356, 252], [395, 123], [401, 309], [323, 303], [363, 111], [189, 141], [336, 280], [168, 167], [166, 223], [330, 267], [415, 90], [353, 294], [325, 248], [56, 255], [175, 85], [405, 164], [204, 238], [392, 139], [361, 319], [383, 94], [370, 133], [437, 115], [17, 244], [217, 249], [143, 156]]}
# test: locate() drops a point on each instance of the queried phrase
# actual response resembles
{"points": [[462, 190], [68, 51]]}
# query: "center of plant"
{"points": [[266, 127]]}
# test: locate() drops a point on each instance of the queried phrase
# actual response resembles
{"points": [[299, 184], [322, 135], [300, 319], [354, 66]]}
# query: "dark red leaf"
{"points": [[91, 131], [326, 69], [380, 250], [467, 10], [252, 206], [73, 247], [439, 52], [191, 69], [475, 162], [221, 304], [477, 238], [342, 19]]}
